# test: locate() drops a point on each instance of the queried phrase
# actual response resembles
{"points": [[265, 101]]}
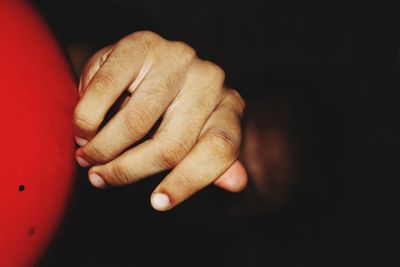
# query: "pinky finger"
{"points": [[91, 68]]}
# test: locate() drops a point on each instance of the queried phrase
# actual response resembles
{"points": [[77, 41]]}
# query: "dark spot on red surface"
{"points": [[21, 188], [31, 230]]}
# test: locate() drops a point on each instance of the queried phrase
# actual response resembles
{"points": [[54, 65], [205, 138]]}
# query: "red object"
{"points": [[38, 94]]}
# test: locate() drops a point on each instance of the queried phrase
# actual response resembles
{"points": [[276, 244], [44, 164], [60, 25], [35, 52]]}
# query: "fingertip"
{"points": [[81, 160], [80, 141], [97, 181], [160, 201], [234, 179]]}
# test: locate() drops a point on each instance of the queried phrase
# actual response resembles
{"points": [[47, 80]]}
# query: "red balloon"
{"points": [[38, 94]]}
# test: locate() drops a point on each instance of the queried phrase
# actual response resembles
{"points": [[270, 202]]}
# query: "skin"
{"points": [[179, 117]]}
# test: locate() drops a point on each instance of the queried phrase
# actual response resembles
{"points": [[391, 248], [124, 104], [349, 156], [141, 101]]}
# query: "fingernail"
{"points": [[96, 180], [82, 162], [80, 141], [160, 201]]}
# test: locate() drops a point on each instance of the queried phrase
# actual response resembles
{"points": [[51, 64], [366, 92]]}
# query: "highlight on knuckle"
{"points": [[238, 100], [145, 38], [214, 72], [146, 35], [184, 51]]}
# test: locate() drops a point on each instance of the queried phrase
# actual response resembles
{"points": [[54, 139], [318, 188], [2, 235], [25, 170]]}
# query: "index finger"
{"points": [[118, 71]]}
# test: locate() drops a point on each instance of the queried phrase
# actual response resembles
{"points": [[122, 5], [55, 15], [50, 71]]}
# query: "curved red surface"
{"points": [[37, 93]]}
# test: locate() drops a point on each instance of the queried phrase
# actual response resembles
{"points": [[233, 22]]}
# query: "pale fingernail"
{"points": [[82, 162], [80, 141], [96, 180], [160, 201]]}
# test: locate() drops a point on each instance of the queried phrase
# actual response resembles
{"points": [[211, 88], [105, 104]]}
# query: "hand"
{"points": [[182, 99]]}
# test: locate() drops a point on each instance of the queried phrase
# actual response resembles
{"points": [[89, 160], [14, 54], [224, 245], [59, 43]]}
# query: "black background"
{"points": [[336, 62]]}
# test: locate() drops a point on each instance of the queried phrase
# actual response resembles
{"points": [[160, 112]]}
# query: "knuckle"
{"points": [[149, 35], [103, 82], [120, 174], [117, 62], [97, 152], [154, 91], [145, 37], [140, 41], [83, 121], [136, 121], [237, 99], [186, 181], [125, 49], [171, 153], [224, 143], [185, 51], [214, 72]]}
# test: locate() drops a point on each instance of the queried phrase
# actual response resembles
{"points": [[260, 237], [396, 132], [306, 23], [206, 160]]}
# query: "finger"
{"points": [[119, 70], [134, 120], [151, 99], [234, 179], [176, 135], [215, 152], [90, 69], [92, 66]]}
